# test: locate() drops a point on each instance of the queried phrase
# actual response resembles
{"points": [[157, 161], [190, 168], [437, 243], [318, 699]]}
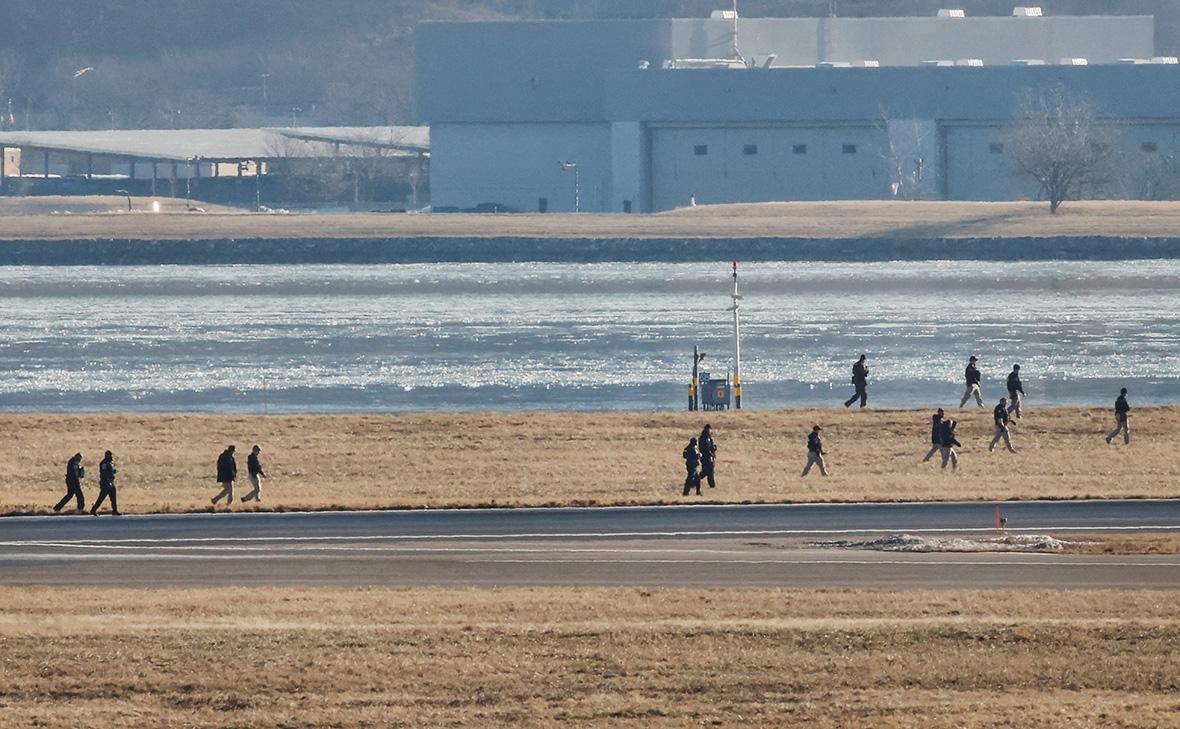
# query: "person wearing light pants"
{"points": [[815, 453], [948, 443], [973, 377], [1121, 408], [935, 434], [1001, 417], [255, 473], [1015, 391]]}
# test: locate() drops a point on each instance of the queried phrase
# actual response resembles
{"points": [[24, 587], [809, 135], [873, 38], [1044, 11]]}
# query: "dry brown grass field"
{"points": [[855, 219], [167, 462], [592, 657]]}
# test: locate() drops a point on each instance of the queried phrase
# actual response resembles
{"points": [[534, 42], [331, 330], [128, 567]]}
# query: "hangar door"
{"points": [[725, 164]]}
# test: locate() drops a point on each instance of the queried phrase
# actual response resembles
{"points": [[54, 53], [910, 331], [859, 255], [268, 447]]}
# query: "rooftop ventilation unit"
{"points": [[951, 13], [866, 63], [1133, 61], [939, 63], [1027, 12], [723, 15], [833, 64], [1075, 62], [1028, 62], [971, 62], [1165, 60]]}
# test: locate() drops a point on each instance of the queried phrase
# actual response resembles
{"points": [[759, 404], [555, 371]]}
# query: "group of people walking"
{"points": [[76, 471], [943, 438], [700, 460], [227, 474]]}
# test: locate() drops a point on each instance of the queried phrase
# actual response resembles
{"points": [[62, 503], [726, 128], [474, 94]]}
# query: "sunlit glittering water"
{"points": [[575, 336]]}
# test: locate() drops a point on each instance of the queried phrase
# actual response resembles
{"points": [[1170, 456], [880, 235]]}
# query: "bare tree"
{"points": [[1058, 140], [908, 147]]}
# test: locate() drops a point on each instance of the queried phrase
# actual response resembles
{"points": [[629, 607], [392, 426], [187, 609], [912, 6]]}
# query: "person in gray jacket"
{"points": [[1121, 409]]}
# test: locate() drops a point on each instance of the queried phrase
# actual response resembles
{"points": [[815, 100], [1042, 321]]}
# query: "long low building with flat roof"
{"points": [[171, 161], [648, 115]]}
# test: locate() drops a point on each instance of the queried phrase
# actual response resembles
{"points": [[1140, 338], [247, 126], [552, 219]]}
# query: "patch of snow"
{"points": [[912, 543]]}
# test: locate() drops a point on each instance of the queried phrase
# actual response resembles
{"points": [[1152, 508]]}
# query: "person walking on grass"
{"points": [[973, 377], [106, 485], [948, 443], [1121, 409], [935, 434], [75, 472], [708, 451], [1000, 414], [227, 473], [692, 460], [255, 473], [860, 380], [815, 453], [1015, 391]]}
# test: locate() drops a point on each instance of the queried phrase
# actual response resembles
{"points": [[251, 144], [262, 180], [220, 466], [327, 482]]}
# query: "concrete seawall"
{"points": [[124, 252]]}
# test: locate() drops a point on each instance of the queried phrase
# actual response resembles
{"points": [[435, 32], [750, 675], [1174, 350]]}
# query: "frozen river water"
{"points": [[305, 338]]}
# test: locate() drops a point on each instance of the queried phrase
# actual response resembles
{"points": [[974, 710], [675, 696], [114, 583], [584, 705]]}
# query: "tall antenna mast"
{"points": [[737, 54], [737, 343]]}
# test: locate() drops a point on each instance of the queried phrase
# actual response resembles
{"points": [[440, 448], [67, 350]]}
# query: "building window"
{"points": [[799, 149], [996, 147], [750, 149], [700, 150], [1148, 147], [849, 149]]}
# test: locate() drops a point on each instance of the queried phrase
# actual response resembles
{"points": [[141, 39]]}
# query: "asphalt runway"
{"points": [[700, 546]]}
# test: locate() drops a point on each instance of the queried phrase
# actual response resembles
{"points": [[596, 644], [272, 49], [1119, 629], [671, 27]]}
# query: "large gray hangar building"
{"points": [[649, 114]]}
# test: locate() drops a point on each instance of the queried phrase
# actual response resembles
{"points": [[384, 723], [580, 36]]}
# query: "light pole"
{"points": [[737, 343], [568, 165], [188, 177], [265, 95], [127, 195]]}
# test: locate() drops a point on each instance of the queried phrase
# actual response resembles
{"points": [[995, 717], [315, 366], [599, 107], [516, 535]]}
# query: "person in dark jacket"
{"points": [[708, 450], [935, 434], [1121, 409], [255, 473], [815, 453], [106, 484], [692, 460], [227, 473], [1000, 415], [75, 472], [1015, 392], [948, 443], [973, 378], [860, 380]]}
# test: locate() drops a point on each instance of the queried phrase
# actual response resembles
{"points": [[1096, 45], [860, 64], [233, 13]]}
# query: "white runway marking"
{"points": [[602, 535]]}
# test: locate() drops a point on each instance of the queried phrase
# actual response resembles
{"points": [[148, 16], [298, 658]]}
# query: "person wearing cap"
{"points": [[1121, 409], [708, 451], [1015, 391], [973, 377], [692, 460], [948, 443], [1000, 414], [227, 472], [75, 472], [935, 434], [106, 484], [815, 453], [860, 380], [255, 473]]}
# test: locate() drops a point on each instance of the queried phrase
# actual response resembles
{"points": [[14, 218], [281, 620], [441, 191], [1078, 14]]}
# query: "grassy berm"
{"points": [[602, 657], [166, 462]]}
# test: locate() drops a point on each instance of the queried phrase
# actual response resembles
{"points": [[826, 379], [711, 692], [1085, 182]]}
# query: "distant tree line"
{"points": [[237, 63]]}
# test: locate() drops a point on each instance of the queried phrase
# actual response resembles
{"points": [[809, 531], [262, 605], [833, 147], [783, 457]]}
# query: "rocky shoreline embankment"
{"points": [[131, 252]]}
